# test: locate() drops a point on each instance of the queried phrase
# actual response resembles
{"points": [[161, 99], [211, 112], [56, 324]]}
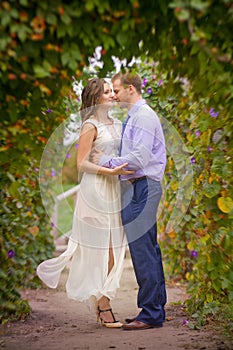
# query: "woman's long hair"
{"points": [[91, 95]]}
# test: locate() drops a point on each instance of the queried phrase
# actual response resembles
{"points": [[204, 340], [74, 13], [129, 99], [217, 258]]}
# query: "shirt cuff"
{"points": [[105, 161]]}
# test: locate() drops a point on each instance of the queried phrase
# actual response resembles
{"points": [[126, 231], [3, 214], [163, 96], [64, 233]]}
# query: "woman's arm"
{"points": [[87, 137]]}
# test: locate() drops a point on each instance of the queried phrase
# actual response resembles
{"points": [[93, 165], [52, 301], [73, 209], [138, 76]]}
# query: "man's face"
{"points": [[121, 93]]}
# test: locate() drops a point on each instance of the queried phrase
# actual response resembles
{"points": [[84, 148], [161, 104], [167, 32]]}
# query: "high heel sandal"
{"points": [[114, 324]]}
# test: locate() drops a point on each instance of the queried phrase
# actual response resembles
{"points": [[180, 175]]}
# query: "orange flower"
{"points": [[13, 35], [48, 47], [53, 70], [33, 230], [6, 5], [136, 5], [10, 98], [63, 74], [24, 102], [42, 139], [172, 234], [184, 41], [60, 10], [37, 119], [58, 48], [45, 89], [23, 59], [23, 16], [38, 24], [23, 76], [11, 76], [37, 37], [138, 20]]}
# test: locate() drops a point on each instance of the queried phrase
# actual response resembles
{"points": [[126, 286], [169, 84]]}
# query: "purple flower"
{"points": [[210, 149], [194, 253], [149, 91], [160, 82], [68, 155], [10, 253], [144, 82], [192, 160], [49, 110], [185, 322], [212, 113], [76, 145], [52, 224], [53, 173], [36, 170], [197, 133]]}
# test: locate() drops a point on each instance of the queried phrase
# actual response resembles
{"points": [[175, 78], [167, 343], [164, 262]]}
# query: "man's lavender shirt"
{"points": [[143, 145]]}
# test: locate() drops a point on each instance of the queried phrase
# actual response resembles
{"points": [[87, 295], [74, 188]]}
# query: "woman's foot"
{"points": [[107, 318], [106, 314]]}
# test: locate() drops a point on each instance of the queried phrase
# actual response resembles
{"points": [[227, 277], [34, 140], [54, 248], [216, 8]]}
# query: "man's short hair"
{"points": [[129, 78]]}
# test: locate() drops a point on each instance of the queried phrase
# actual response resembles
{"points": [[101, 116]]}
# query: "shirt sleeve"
{"points": [[138, 143]]}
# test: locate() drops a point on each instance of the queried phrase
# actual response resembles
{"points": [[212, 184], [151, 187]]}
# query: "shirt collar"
{"points": [[135, 107]]}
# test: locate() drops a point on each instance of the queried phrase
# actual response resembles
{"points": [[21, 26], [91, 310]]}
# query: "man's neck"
{"points": [[135, 99]]}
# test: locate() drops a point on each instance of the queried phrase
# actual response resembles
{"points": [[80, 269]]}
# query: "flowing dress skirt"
{"points": [[96, 226]]}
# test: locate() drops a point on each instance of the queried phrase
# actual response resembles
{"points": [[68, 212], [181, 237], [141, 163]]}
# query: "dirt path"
{"points": [[57, 323]]}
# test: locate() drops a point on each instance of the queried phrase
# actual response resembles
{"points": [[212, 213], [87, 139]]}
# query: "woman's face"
{"points": [[107, 97]]}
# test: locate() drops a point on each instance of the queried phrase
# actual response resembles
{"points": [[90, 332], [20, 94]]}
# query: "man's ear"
{"points": [[131, 89]]}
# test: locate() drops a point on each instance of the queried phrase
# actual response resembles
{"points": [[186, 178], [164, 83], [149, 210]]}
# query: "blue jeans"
{"points": [[140, 202]]}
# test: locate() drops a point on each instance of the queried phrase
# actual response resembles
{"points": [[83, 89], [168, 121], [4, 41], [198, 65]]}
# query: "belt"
{"points": [[137, 179]]}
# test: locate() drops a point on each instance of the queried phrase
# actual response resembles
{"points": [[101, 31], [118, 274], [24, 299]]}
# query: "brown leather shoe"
{"points": [[137, 325], [130, 319]]}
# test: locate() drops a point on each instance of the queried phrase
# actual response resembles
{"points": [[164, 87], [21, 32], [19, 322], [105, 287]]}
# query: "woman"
{"points": [[97, 243]]}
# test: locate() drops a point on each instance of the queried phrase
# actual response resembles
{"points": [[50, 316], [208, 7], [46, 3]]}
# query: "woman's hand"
{"points": [[119, 170]]}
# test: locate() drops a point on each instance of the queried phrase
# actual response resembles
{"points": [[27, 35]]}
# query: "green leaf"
{"points": [[43, 70], [40, 72], [5, 20], [51, 19], [211, 190], [66, 19], [199, 5], [61, 31], [65, 57], [121, 38], [225, 204], [73, 64], [13, 189], [23, 2], [182, 15]]}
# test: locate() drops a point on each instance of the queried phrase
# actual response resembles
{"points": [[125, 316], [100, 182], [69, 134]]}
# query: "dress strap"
{"points": [[91, 121]]}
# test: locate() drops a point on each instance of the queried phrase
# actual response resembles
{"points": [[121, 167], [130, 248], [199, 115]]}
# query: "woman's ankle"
{"points": [[104, 304]]}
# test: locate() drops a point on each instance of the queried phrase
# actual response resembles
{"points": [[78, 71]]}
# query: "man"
{"points": [[143, 148]]}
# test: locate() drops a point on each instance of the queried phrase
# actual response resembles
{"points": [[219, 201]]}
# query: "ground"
{"points": [[57, 323]]}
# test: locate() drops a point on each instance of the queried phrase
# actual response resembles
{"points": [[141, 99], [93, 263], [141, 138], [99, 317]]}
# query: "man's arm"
{"points": [[137, 147]]}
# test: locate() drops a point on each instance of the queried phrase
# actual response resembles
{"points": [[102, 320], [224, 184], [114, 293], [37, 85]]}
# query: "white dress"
{"points": [[96, 226]]}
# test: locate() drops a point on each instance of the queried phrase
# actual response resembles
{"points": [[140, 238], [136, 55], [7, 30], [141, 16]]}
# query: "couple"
{"points": [[135, 153]]}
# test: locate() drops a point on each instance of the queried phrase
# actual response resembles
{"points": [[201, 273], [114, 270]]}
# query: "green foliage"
{"points": [[43, 44], [25, 239]]}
